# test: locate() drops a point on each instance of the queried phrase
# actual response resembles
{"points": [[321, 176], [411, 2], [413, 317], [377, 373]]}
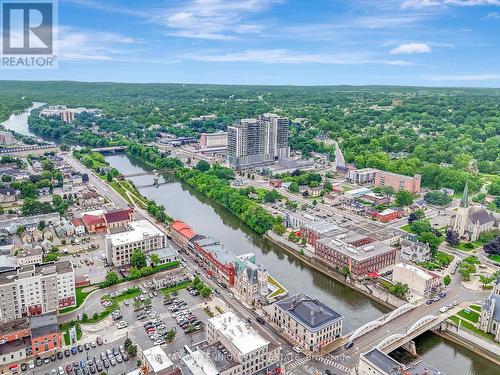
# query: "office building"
{"points": [[142, 235], [361, 176], [213, 140], [233, 348], [359, 253], [251, 282], [36, 289], [308, 322], [258, 142]]}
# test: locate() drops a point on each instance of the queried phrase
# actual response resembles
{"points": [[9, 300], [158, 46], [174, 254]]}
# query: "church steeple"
{"points": [[465, 196]]}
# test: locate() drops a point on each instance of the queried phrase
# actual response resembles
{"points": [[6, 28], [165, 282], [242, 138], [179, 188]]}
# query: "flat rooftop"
{"points": [[61, 267], [355, 245], [12, 326], [139, 231], [417, 271], [238, 332], [311, 313], [157, 358]]}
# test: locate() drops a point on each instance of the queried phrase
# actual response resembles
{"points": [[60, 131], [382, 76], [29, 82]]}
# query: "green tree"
{"points": [[447, 280], [431, 239], [271, 196], [203, 166], [112, 278], [138, 259], [293, 188], [421, 226], [205, 292], [170, 335], [155, 259], [404, 198], [279, 228]]}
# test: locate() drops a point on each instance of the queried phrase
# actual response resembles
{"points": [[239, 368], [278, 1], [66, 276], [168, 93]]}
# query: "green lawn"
{"points": [[494, 258], [469, 246], [473, 316], [169, 290], [475, 307], [469, 326], [280, 289], [80, 297], [129, 294], [406, 228]]}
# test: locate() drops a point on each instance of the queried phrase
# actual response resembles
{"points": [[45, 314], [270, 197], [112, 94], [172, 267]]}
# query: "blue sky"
{"points": [[301, 42]]}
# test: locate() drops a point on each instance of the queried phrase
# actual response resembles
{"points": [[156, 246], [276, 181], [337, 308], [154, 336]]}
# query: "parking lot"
{"points": [[161, 321], [91, 359]]}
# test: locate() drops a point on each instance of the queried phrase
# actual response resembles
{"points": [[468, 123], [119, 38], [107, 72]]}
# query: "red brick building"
{"points": [[218, 261], [387, 215], [398, 181], [359, 253], [181, 233], [118, 218], [94, 223], [45, 334]]}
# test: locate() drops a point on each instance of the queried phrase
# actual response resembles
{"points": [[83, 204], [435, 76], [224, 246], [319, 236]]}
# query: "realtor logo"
{"points": [[28, 34]]}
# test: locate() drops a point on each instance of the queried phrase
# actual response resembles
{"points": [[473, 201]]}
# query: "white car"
{"points": [[230, 295], [455, 303], [296, 349], [122, 324]]}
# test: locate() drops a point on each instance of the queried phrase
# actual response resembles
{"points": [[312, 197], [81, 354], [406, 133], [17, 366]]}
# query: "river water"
{"points": [[208, 218]]}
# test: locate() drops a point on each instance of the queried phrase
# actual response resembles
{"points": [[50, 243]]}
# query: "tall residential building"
{"points": [[36, 289], [258, 142]]}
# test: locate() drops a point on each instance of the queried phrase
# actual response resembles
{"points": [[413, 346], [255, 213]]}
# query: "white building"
{"points": [[213, 140], [233, 348], [417, 252], [308, 322], [420, 282], [361, 176], [142, 235], [156, 361], [36, 289]]}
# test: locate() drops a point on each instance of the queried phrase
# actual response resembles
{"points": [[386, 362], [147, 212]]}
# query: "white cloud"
{"points": [[492, 15], [464, 77], [284, 56], [417, 4], [409, 48]]}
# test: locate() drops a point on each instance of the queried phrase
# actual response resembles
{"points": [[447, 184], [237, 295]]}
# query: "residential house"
{"points": [[78, 225], [417, 252], [8, 195]]}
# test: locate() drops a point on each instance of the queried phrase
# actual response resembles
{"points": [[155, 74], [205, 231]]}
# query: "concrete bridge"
{"points": [[28, 150], [110, 149], [146, 173]]}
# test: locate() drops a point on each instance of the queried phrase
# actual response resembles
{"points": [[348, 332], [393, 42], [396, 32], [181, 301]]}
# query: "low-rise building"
{"points": [[78, 225], [181, 233], [387, 215], [94, 223], [12, 222], [315, 230], [36, 289], [155, 361], [414, 251], [8, 195], [165, 255], [30, 255], [359, 253], [142, 235], [118, 218], [375, 198], [420, 282], [251, 282], [88, 199], [307, 321], [217, 260], [7, 138], [45, 334], [361, 176]]}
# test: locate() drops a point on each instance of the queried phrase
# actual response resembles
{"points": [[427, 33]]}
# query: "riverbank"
{"points": [[390, 301]]}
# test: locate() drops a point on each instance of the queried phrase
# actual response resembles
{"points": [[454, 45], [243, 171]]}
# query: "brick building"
{"points": [[181, 233], [398, 181], [45, 334], [217, 260]]}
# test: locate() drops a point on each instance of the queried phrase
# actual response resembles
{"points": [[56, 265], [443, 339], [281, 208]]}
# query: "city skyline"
{"points": [[277, 42]]}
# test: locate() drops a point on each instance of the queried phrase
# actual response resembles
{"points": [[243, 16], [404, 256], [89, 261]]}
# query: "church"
{"points": [[471, 221], [489, 321]]}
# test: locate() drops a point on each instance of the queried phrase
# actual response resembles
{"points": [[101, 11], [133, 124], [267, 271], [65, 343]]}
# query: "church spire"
{"points": [[465, 196]]}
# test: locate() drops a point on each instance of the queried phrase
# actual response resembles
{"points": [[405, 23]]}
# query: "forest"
{"points": [[449, 135]]}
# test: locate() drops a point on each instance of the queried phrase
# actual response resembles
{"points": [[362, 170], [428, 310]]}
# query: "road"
{"points": [[101, 186]]}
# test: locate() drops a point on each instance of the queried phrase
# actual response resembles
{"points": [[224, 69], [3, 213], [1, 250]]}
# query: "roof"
{"points": [[213, 246], [321, 226], [311, 313], [77, 222], [118, 215], [480, 215], [414, 270], [244, 338], [43, 325], [164, 252], [183, 228], [139, 230], [11, 326], [157, 359], [90, 220], [382, 361], [8, 191]]}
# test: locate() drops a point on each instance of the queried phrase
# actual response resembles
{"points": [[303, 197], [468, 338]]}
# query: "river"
{"points": [[211, 219]]}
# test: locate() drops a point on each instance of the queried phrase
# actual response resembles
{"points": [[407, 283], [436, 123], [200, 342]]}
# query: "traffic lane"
{"points": [[120, 368]]}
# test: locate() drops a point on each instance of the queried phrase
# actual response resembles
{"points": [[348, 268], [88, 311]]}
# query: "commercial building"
{"points": [[118, 218], [251, 282], [361, 176], [233, 348], [142, 235], [14, 341], [30, 255], [307, 321], [258, 142], [217, 260], [165, 255], [45, 334], [94, 223], [387, 215], [359, 253], [213, 140], [398, 181], [36, 289], [181, 233], [420, 283], [315, 230], [376, 362], [156, 361], [12, 223]]}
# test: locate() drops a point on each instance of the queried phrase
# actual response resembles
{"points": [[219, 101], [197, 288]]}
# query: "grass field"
{"points": [[475, 307], [494, 258], [469, 326], [80, 297], [175, 288], [472, 315]]}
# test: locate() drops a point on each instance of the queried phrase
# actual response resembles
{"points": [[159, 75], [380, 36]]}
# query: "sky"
{"points": [[294, 42]]}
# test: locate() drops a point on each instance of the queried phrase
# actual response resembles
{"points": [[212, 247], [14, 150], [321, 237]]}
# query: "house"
{"points": [[417, 252], [8, 195], [43, 192], [64, 229], [275, 183], [332, 199], [88, 198], [315, 191], [94, 223], [118, 218], [78, 225], [37, 235]]}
